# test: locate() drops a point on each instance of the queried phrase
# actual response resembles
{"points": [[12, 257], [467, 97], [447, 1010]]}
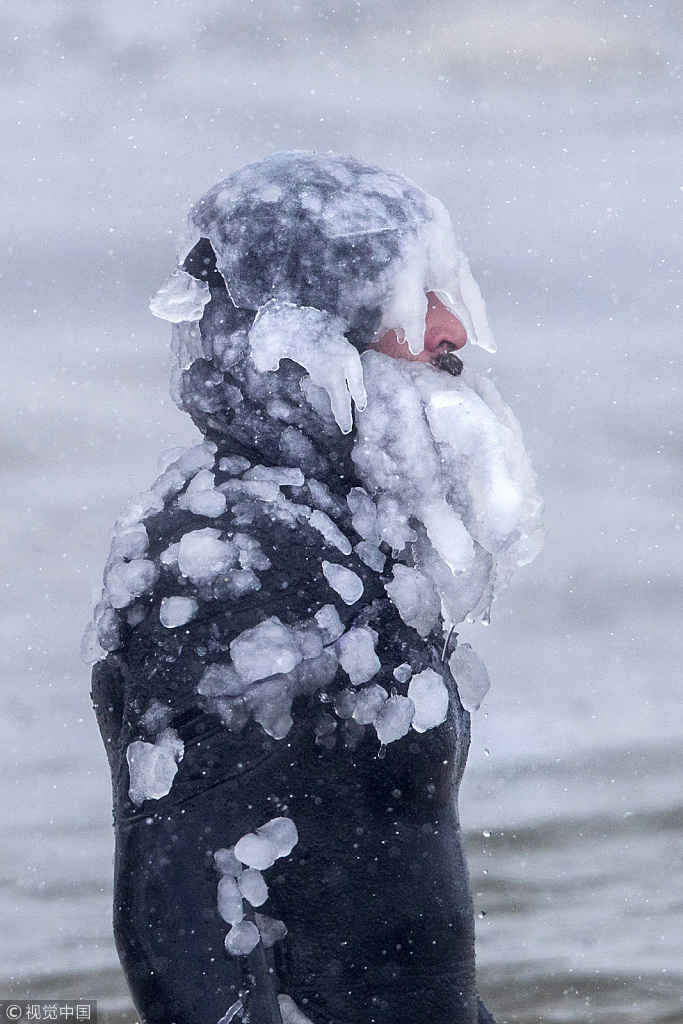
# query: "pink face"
{"points": [[443, 333]]}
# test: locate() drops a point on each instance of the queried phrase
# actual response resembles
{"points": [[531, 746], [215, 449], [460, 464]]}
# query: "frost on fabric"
{"points": [[429, 694], [345, 581], [152, 767], [470, 675], [315, 340], [183, 297], [447, 452]]}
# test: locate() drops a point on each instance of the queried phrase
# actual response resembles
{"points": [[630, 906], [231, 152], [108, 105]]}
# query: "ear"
{"points": [[315, 340]]}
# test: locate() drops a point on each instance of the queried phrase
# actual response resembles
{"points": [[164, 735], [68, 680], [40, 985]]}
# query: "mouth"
{"points": [[449, 362]]}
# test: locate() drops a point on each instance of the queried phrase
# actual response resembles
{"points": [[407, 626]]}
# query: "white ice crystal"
{"points": [[242, 938], [221, 680], [394, 719], [330, 623], [227, 863], [231, 1012], [129, 542], [230, 900], [183, 297], [370, 554], [470, 675], [356, 650], [202, 556], [250, 554], [290, 1012], [265, 650], [234, 464], [315, 340], [368, 702], [283, 476], [152, 767], [321, 521], [415, 597], [270, 929], [429, 694], [253, 887], [345, 581], [402, 673], [176, 611], [125, 581], [255, 851], [282, 834]]}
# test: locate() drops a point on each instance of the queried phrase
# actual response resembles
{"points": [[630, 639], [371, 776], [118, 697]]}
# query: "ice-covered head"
{"points": [[304, 259]]}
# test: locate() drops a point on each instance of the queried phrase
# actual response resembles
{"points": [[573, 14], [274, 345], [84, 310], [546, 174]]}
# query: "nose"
{"points": [[443, 330]]}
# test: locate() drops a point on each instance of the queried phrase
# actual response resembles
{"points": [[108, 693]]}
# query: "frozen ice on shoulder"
{"points": [[202, 556], [270, 929], [230, 900], [125, 581], [242, 938], [152, 767], [321, 522], [268, 649], [346, 582], [470, 675], [415, 597], [357, 656], [282, 834], [290, 1012], [368, 702], [394, 719], [429, 694], [329, 622], [253, 887], [177, 611], [315, 340]]}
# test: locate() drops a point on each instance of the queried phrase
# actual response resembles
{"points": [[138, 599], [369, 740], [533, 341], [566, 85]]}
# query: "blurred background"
{"points": [[552, 131]]}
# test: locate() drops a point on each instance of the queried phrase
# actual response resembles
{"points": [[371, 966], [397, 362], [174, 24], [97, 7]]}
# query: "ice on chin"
{"points": [[447, 453]]}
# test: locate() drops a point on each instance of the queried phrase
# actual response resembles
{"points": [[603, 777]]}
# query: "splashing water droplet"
{"points": [[382, 752]]}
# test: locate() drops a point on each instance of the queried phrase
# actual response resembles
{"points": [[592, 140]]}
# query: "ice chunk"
{"points": [[429, 694], [310, 640], [371, 555], [169, 557], [250, 554], [282, 834], [129, 543], [242, 938], [253, 887], [345, 703], [290, 1012], [202, 556], [230, 900], [231, 1012], [283, 476], [221, 680], [330, 531], [152, 767], [415, 597], [330, 623], [176, 611], [183, 297], [127, 580], [470, 675], [156, 717], [364, 514], [206, 503], [107, 627], [402, 673], [234, 464], [357, 655], [270, 702], [265, 650], [369, 700], [347, 583], [315, 340], [270, 929], [256, 851], [91, 649], [227, 863], [394, 719], [235, 583]]}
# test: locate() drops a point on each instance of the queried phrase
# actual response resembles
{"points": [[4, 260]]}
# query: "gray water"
{"points": [[553, 133]]}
